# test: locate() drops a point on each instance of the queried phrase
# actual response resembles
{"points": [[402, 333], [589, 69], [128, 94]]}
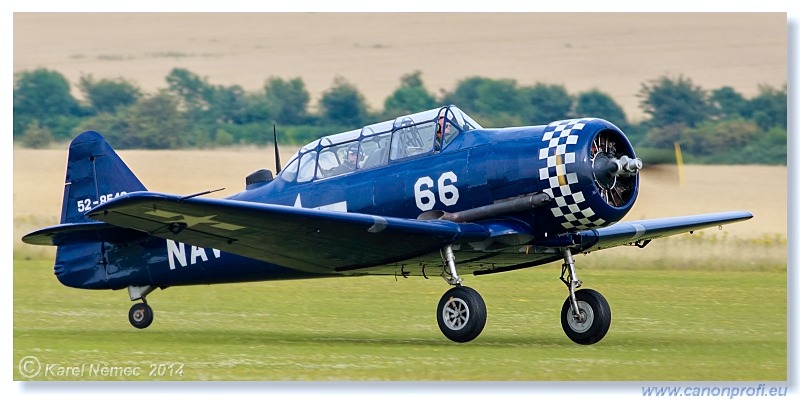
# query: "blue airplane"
{"points": [[427, 194]]}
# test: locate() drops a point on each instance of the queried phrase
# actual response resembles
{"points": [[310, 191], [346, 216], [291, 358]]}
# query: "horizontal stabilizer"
{"points": [[67, 234]]}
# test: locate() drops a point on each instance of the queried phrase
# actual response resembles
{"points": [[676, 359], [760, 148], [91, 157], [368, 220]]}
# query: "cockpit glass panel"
{"points": [[374, 151], [342, 137], [427, 131], [290, 172], [308, 163], [338, 160], [377, 128], [404, 137], [310, 146], [413, 140], [464, 121], [409, 120]]}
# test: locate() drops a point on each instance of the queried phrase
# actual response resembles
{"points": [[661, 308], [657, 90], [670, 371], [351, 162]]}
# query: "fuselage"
{"points": [[482, 165], [476, 167]]}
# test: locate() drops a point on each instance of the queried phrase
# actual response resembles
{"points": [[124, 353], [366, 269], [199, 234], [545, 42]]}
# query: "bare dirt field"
{"points": [[614, 52]]}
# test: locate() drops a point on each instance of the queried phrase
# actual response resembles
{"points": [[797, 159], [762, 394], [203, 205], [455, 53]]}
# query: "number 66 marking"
{"points": [[448, 192]]}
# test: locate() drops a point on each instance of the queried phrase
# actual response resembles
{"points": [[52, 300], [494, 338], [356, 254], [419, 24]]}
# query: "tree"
{"points": [[544, 103], [343, 105], [410, 97], [664, 137], [156, 123], [223, 138], [727, 103], [670, 101], [192, 90], [152, 123], [36, 136], [466, 95], [596, 103], [768, 109], [107, 95], [718, 137], [287, 101], [486, 96], [256, 107], [205, 104], [226, 105], [44, 96], [493, 102], [766, 148]]}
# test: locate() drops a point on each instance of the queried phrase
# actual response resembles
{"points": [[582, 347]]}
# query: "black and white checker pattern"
{"points": [[572, 210]]}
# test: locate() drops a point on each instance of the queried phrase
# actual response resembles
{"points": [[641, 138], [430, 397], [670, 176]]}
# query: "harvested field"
{"points": [[614, 52], [39, 184]]}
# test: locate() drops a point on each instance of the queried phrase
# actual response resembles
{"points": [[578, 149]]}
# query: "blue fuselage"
{"points": [[476, 169]]}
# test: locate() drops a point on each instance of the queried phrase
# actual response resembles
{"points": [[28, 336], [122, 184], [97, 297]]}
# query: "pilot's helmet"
{"points": [[352, 150]]}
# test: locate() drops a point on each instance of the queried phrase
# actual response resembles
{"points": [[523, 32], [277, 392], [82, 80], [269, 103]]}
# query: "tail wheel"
{"points": [[461, 314], [140, 315], [592, 321]]}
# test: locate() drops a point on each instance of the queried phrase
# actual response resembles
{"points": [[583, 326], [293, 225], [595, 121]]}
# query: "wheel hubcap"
{"points": [[455, 314], [138, 315], [584, 320]]}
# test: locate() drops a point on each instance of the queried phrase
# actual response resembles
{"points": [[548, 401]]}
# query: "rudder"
{"points": [[95, 174]]}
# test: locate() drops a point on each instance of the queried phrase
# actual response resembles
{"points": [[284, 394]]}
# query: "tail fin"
{"points": [[95, 174]]}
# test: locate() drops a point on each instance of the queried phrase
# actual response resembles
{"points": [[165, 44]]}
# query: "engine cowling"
{"points": [[589, 169]]}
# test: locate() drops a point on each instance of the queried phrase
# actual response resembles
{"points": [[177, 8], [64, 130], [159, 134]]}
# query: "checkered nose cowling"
{"points": [[589, 169]]}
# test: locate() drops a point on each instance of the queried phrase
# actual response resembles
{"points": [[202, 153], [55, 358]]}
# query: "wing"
{"points": [[625, 233], [325, 241], [298, 238]]}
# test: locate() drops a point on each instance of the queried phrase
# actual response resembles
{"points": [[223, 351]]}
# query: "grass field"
{"points": [[722, 318], [708, 306]]}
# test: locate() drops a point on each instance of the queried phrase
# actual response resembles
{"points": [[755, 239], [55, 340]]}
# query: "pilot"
{"points": [[442, 130], [352, 157], [349, 163]]}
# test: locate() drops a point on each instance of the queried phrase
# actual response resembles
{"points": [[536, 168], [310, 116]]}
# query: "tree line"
{"points": [[717, 126]]}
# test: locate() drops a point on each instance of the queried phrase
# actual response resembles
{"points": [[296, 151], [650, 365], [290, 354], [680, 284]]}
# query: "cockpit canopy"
{"points": [[405, 137]]}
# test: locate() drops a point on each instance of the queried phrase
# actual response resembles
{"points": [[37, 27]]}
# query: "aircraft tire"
{"points": [[461, 314], [140, 315], [598, 317]]}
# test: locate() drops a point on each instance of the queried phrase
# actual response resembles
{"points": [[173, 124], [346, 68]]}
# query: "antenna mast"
{"points": [[277, 154]]}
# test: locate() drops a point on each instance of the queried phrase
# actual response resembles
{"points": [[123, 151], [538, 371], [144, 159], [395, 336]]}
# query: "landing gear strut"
{"points": [[585, 315], [461, 313], [141, 314]]}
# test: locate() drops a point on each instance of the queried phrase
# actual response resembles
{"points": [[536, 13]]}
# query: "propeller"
{"points": [[614, 172]]}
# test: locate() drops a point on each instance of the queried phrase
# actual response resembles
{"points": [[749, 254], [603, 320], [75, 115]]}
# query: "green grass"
{"points": [[705, 323]]}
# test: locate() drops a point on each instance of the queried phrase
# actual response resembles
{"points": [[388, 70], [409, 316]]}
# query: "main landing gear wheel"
{"points": [[461, 314], [140, 315], [592, 321]]}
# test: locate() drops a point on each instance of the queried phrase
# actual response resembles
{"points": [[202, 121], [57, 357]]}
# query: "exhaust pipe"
{"points": [[515, 205]]}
